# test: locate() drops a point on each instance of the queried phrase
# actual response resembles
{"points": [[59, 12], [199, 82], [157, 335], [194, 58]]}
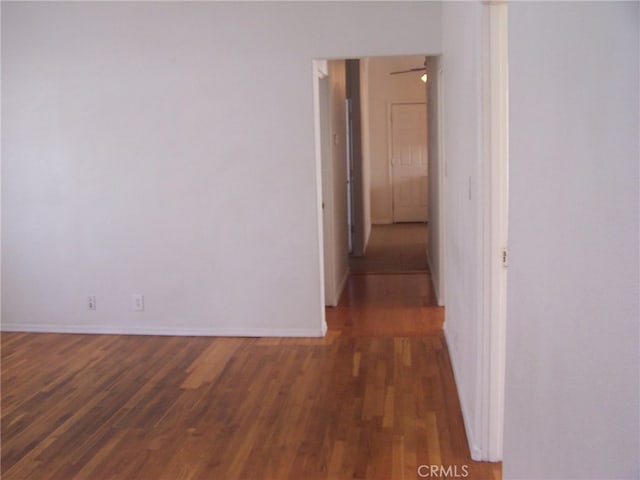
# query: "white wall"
{"points": [[168, 149], [436, 205], [572, 336], [383, 90], [461, 64]]}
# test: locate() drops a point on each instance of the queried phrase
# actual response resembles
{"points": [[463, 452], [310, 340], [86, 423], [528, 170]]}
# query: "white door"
{"points": [[409, 162]]}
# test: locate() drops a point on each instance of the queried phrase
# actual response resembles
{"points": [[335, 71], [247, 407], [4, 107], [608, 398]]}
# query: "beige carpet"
{"points": [[401, 247]]}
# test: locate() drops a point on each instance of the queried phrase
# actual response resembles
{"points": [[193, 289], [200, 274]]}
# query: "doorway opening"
{"points": [[490, 189], [374, 145], [394, 165], [375, 172]]}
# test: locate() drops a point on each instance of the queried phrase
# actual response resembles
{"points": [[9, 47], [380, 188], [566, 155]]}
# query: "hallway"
{"points": [[389, 298], [390, 290], [387, 305], [395, 248]]}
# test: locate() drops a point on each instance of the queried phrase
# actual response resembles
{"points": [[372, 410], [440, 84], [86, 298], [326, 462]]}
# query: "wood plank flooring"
{"points": [[359, 403], [387, 304], [396, 248]]}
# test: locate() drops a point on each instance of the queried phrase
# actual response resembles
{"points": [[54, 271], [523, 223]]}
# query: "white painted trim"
{"points": [[323, 329], [177, 331], [390, 160], [495, 135], [319, 70], [442, 203]]}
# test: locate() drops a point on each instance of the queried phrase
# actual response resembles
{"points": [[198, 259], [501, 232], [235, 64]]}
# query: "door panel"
{"points": [[409, 162]]}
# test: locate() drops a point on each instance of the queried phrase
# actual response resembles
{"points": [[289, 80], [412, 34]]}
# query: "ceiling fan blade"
{"points": [[421, 69]]}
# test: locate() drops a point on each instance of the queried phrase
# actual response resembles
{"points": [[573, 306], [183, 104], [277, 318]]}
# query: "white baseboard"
{"points": [[173, 331], [474, 448]]}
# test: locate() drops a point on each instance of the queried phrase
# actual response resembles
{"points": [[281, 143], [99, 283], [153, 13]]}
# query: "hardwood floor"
{"points": [[387, 304], [395, 248], [358, 403]]}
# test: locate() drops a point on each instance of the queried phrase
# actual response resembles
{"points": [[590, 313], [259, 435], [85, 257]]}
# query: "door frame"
{"points": [[495, 180], [320, 70], [489, 394], [442, 173]]}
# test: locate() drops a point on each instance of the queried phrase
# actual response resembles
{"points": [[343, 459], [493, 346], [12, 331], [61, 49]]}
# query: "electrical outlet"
{"points": [[138, 302], [91, 302]]}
